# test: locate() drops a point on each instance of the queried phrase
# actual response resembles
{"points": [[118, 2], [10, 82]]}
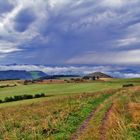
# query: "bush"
{"points": [[17, 98], [22, 97], [27, 96], [39, 95], [128, 85], [43, 95], [9, 99], [1, 101]]}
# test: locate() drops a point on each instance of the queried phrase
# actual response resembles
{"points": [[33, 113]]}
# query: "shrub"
{"points": [[42, 95], [22, 97], [128, 85], [27, 96], [39, 95], [9, 99], [17, 98], [1, 101]]}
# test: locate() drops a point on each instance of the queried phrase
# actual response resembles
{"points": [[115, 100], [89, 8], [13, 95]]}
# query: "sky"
{"points": [[99, 33]]}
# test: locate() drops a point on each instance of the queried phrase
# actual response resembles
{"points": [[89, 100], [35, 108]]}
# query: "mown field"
{"points": [[77, 111], [56, 89], [63, 88]]}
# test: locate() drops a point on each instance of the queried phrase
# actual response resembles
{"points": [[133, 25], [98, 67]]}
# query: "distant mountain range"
{"points": [[20, 74], [29, 75]]}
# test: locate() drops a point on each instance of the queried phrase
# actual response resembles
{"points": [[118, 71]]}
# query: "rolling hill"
{"points": [[20, 75], [97, 75]]}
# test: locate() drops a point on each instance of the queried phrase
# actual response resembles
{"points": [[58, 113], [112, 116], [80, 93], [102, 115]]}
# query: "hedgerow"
{"points": [[22, 97]]}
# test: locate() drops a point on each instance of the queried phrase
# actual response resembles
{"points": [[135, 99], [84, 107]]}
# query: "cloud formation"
{"points": [[123, 57], [115, 71], [70, 32]]}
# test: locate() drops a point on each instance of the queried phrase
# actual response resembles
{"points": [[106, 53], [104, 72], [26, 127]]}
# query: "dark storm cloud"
{"points": [[5, 6], [73, 32], [24, 18]]}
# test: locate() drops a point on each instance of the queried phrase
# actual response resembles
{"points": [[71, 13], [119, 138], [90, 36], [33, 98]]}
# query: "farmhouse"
{"points": [[96, 76]]}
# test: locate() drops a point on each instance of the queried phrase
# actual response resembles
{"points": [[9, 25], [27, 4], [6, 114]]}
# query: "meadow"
{"points": [[62, 88], [76, 111], [56, 89]]}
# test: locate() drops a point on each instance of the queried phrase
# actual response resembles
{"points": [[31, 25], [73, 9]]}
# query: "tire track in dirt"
{"points": [[114, 107], [104, 123], [83, 126], [89, 118], [105, 120]]}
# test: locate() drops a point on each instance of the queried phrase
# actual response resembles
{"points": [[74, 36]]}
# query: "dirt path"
{"points": [[105, 120], [82, 128], [102, 130], [104, 123]]}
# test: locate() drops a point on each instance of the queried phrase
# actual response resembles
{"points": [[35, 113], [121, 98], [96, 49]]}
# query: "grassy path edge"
{"points": [[83, 126]]}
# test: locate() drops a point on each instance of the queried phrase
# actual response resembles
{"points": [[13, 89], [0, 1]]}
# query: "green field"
{"points": [[74, 112], [64, 89], [56, 89]]}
